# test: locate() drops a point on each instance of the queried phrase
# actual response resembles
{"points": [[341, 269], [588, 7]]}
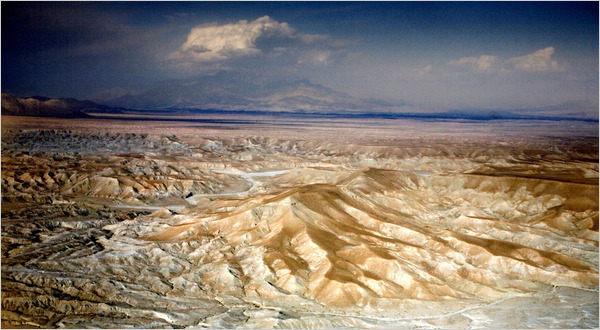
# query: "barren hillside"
{"points": [[105, 228]]}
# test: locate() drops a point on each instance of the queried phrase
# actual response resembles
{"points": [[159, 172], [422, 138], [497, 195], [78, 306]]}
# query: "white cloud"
{"points": [[315, 57], [540, 60], [211, 43], [481, 63], [537, 61]]}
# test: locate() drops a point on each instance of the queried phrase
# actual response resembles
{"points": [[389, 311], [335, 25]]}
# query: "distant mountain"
{"points": [[234, 91], [50, 107]]}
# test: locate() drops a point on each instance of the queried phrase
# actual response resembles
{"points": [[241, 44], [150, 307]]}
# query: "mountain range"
{"points": [[48, 107], [235, 91]]}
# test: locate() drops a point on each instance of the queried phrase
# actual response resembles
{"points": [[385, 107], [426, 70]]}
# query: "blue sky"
{"points": [[442, 55]]}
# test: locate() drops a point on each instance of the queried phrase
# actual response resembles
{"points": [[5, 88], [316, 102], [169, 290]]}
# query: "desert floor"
{"points": [[255, 221]]}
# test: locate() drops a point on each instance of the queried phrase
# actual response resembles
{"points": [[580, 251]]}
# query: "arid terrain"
{"points": [[274, 222]]}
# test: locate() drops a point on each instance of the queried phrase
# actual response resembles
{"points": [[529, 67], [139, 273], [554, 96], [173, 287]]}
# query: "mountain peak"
{"points": [[227, 90]]}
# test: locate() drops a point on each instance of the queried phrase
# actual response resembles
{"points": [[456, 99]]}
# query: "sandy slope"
{"points": [[173, 231]]}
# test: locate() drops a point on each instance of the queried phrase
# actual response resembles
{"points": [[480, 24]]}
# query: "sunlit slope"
{"points": [[373, 235], [260, 232]]}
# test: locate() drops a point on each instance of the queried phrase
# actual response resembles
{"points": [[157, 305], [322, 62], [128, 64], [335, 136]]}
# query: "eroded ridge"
{"points": [[259, 232]]}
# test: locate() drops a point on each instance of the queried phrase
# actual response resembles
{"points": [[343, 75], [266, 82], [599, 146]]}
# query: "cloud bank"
{"points": [[538, 61], [481, 63]]}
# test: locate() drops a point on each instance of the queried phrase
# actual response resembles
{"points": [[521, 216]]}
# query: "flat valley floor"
{"points": [[289, 221]]}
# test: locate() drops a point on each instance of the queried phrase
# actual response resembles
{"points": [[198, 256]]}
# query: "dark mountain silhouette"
{"points": [[50, 107]]}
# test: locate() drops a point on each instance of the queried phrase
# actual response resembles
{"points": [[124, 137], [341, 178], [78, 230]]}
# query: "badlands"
{"points": [[272, 222]]}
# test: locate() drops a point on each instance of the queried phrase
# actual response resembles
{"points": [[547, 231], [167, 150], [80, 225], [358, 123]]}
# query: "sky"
{"points": [[443, 55]]}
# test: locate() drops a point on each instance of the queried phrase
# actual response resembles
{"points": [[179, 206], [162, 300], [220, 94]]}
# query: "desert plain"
{"points": [[279, 221]]}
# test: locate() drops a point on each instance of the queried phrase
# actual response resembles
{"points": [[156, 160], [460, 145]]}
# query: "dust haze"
{"points": [[268, 221]]}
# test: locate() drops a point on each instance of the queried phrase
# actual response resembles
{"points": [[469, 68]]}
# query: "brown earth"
{"points": [[257, 221]]}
